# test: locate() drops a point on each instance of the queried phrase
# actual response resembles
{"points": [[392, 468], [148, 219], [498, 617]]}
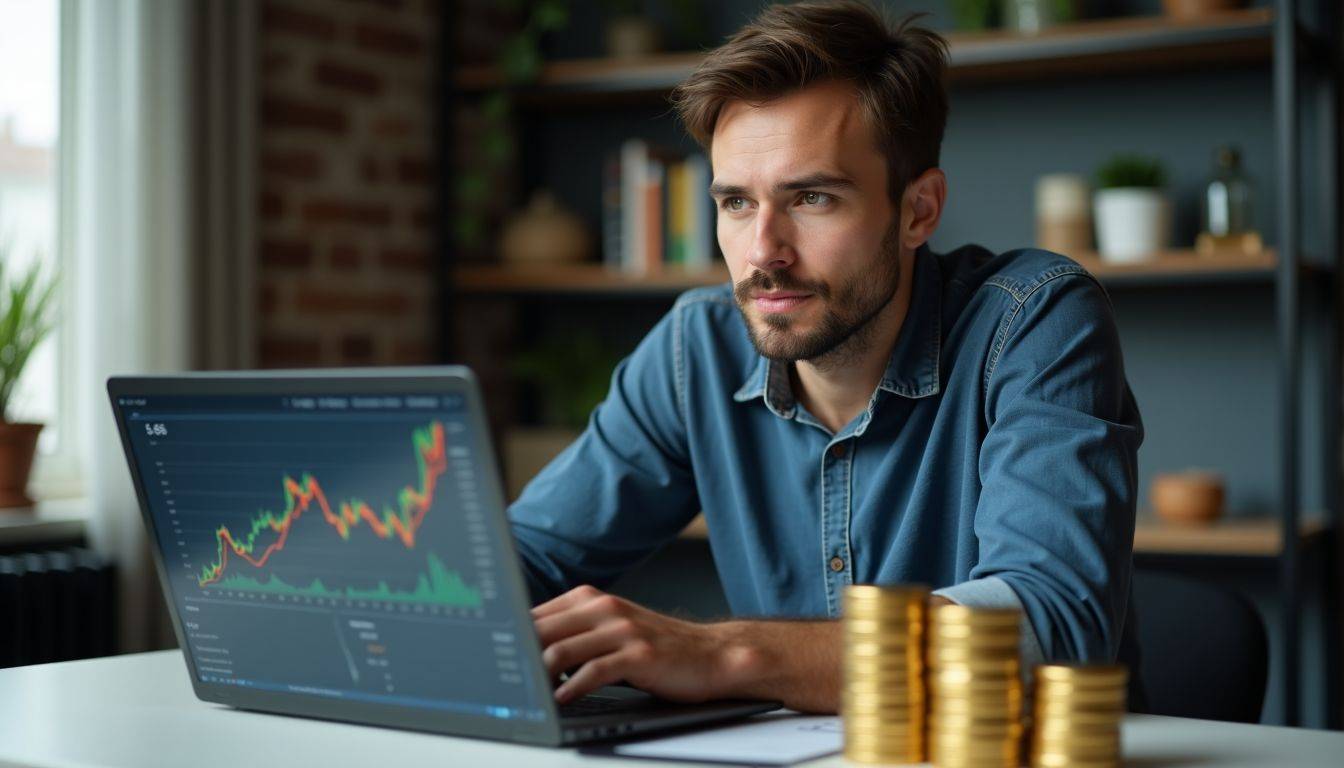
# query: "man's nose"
{"points": [[771, 248]]}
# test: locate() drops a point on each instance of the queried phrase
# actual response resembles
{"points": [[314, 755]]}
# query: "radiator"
{"points": [[56, 606]]}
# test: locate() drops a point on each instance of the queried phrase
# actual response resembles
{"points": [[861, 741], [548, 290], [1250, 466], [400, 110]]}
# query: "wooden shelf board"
{"points": [[1244, 537], [1236, 537], [580, 278], [1181, 266], [1081, 48]]}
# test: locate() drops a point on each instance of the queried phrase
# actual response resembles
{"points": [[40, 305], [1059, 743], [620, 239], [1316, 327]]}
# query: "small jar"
{"points": [[1063, 214]]}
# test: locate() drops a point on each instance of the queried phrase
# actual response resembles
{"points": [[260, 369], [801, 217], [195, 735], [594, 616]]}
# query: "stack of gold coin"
{"points": [[883, 700], [975, 687], [1078, 713]]}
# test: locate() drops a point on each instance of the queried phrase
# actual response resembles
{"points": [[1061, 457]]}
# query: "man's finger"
{"points": [[573, 597], [581, 648], [596, 673], [577, 619]]}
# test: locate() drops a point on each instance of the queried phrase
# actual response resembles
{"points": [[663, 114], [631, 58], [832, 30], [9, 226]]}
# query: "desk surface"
{"points": [[139, 710]]}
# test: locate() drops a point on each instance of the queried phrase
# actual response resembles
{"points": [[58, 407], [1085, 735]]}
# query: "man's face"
{"points": [[805, 222]]}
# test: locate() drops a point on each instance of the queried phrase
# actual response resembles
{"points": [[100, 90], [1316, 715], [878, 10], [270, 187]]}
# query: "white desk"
{"points": [[138, 711]]}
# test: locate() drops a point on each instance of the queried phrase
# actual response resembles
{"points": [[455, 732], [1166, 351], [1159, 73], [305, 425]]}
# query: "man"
{"points": [[854, 409]]}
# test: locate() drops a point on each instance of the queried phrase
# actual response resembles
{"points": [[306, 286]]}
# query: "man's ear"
{"points": [[922, 207]]}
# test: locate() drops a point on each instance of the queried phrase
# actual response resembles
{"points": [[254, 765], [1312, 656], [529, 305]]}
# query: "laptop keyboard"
{"points": [[599, 705]]}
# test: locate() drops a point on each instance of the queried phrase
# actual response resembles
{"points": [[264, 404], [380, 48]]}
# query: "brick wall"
{"points": [[346, 200]]}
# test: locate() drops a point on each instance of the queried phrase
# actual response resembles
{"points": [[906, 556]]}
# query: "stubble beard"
{"points": [[844, 333]]}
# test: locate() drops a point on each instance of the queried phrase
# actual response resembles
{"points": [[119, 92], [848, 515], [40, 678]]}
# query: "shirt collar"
{"points": [[912, 370]]}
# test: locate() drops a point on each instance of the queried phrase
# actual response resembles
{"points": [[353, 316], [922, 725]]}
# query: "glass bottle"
{"points": [[1227, 199]]}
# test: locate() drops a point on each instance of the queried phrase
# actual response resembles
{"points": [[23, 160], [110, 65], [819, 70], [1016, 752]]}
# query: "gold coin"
{"points": [[905, 710], [1057, 760], [1007, 729], [958, 633], [961, 614], [1002, 666], [943, 655], [877, 685], [958, 676], [911, 592], [1064, 691], [1085, 674], [1098, 727]]}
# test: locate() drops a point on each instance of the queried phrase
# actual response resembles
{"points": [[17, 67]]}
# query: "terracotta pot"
{"points": [[1198, 9], [18, 443], [545, 233], [1188, 498]]}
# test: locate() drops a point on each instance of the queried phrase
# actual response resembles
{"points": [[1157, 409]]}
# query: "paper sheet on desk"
{"points": [[776, 739]]}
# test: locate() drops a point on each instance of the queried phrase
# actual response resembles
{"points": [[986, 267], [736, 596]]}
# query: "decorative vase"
{"points": [[1063, 214], [544, 233], [1190, 10], [630, 37], [1133, 223], [1193, 497], [18, 444]]}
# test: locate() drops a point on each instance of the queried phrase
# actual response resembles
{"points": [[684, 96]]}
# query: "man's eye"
{"points": [[734, 203], [816, 198]]}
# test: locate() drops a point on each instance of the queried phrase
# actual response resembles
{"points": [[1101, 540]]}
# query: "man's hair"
{"points": [[898, 73]]}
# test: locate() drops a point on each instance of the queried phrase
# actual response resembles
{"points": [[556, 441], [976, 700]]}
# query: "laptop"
{"points": [[335, 545]]}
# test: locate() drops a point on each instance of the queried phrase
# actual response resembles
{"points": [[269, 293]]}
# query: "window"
{"points": [[30, 95]]}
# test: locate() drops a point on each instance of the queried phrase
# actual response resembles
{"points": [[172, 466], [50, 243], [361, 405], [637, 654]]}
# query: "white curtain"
{"points": [[127, 198]]}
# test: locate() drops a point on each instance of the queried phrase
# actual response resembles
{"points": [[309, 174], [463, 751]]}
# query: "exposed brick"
{"points": [[369, 169], [414, 170], [275, 64], [277, 350], [334, 211], [285, 252], [270, 206], [320, 301], [407, 259], [341, 77], [279, 18], [422, 218], [356, 348], [268, 301], [392, 127], [380, 38], [344, 256], [299, 164], [412, 353], [281, 112]]}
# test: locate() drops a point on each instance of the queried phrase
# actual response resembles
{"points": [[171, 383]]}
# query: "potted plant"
{"points": [[1131, 209], [25, 320]]}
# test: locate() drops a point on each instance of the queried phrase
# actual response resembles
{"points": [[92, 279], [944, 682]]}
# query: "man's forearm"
{"points": [[795, 662]]}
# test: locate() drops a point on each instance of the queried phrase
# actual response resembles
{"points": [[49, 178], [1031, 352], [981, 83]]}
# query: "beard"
{"points": [[848, 310]]}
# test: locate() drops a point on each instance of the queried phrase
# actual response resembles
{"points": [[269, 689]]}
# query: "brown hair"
{"points": [[898, 74]]}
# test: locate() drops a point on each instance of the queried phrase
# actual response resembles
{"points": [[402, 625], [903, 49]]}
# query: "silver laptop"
{"points": [[335, 545]]}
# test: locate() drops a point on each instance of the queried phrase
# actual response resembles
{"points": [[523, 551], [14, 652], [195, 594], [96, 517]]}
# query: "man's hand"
{"points": [[609, 640]]}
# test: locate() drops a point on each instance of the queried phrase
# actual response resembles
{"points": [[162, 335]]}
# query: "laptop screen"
{"points": [[338, 545]]}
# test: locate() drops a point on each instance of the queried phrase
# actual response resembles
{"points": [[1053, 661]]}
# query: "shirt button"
{"points": [[837, 564], [838, 450]]}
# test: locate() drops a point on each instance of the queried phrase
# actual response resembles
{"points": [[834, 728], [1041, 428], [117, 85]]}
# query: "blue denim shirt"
{"points": [[996, 460]]}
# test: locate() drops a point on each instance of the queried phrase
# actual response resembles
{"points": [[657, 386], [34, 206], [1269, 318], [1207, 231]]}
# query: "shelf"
{"points": [[579, 279], [1183, 267], [1247, 537], [1081, 49], [1244, 537], [1175, 267]]}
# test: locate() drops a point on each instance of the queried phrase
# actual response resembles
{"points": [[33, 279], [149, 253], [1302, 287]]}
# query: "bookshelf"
{"points": [[1083, 48], [1205, 336]]}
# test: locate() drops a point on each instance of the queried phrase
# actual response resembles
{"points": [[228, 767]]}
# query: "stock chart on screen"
{"points": [[332, 545]]}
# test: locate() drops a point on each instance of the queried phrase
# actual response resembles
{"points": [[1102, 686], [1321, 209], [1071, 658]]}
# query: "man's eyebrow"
{"points": [[810, 181]]}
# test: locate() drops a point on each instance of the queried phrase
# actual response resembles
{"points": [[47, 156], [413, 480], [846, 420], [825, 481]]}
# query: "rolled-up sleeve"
{"points": [[622, 489], [1058, 468]]}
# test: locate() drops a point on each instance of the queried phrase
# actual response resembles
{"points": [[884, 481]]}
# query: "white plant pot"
{"points": [[1133, 223]]}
